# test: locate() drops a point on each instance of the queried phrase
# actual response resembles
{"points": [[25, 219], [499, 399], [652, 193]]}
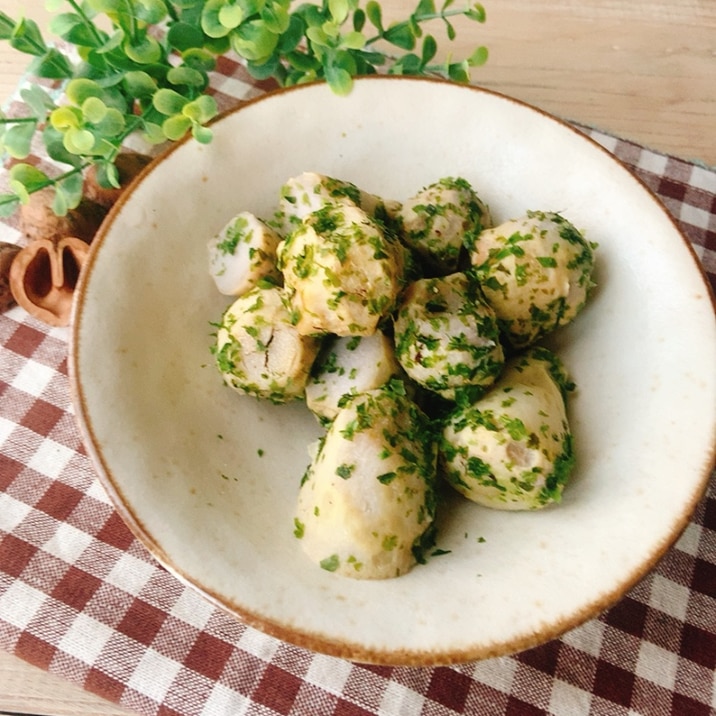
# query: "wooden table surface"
{"points": [[642, 70]]}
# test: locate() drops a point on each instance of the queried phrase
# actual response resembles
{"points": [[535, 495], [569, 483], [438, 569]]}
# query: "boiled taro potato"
{"points": [[258, 350], [303, 194], [536, 273], [242, 254], [343, 272], [347, 366], [367, 500], [440, 220], [446, 336], [512, 449]]}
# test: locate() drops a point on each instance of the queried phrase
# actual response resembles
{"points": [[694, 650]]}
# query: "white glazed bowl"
{"points": [[208, 479]]}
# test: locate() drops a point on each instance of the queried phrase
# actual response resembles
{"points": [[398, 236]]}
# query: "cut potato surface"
{"points": [[348, 366], [242, 254], [258, 350]]}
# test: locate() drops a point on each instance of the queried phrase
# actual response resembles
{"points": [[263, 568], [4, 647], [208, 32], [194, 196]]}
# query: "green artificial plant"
{"points": [[142, 66]]}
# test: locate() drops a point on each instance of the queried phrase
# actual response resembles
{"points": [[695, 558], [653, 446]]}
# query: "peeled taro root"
{"points": [[513, 448], [258, 350], [535, 272], [367, 502]]}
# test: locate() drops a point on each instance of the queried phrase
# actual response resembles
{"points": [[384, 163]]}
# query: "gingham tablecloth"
{"points": [[81, 598]]}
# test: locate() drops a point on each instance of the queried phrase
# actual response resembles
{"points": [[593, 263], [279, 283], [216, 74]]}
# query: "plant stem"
{"points": [[87, 22], [418, 20]]}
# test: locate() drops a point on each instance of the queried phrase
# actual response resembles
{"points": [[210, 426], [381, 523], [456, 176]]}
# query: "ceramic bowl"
{"points": [[207, 479]]}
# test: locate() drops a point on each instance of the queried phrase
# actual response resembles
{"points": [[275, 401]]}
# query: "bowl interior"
{"points": [[208, 479]]}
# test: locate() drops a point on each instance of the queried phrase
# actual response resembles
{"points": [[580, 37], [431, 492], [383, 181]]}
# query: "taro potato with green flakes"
{"points": [[258, 350], [536, 273], [368, 498], [347, 366], [440, 221], [242, 254], [446, 335], [343, 271], [513, 449]]}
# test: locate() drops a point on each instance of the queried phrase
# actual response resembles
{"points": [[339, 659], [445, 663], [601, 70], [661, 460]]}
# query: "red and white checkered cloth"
{"points": [[80, 597]]}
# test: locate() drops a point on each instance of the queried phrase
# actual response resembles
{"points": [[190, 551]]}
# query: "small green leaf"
{"points": [[302, 61], [37, 99], [478, 57], [69, 191], [450, 30], [26, 37], [203, 135], [20, 191], [230, 15], [264, 70], [425, 8], [74, 29], [339, 10], [168, 102], [187, 76], [176, 127], [430, 48], [211, 22], [477, 13], [60, 206], [199, 59], [79, 141], [52, 65], [358, 19], [276, 17], [150, 11], [139, 84], [400, 35], [7, 26], [292, 36], [65, 117], [183, 36], [339, 80], [79, 90], [94, 110], [374, 13], [107, 175], [317, 36], [112, 124], [30, 177], [55, 147], [254, 41], [144, 50], [153, 133], [459, 72], [17, 139], [353, 41], [202, 109]]}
